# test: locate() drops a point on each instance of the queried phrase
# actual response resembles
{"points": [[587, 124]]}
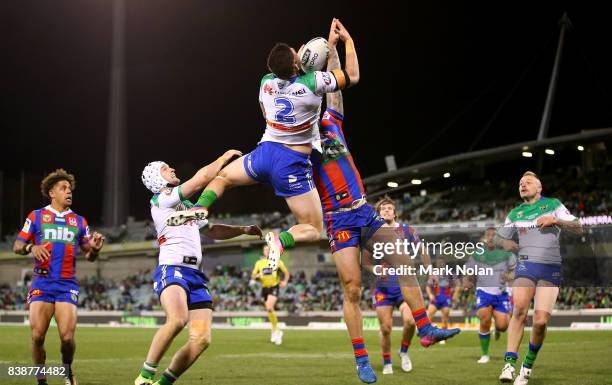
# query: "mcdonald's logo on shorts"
{"points": [[343, 236]]}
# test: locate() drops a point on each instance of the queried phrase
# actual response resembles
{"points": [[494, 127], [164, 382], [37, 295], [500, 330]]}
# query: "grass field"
{"points": [[108, 356]]}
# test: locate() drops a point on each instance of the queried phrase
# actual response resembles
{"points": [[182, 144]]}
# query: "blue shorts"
{"points": [[538, 271], [53, 290], [344, 229], [442, 301], [500, 302], [193, 281], [287, 170], [388, 296]]}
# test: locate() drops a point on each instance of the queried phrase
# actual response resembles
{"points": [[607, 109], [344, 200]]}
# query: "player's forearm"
{"points": [[351, 62], [220, 232], [21, 248], [506, 244], [573, 226], [334, 99]]}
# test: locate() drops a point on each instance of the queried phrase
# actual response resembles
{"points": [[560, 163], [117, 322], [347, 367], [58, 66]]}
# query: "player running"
{"points": [[388, 295], [346, 212], [291, 105], [270, 283], [181, 286], [53, 235], [492, 299], [440, 289], [538, 221]]}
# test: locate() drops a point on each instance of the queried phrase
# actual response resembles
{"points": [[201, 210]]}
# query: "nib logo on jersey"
{"points": [[58, 233]]}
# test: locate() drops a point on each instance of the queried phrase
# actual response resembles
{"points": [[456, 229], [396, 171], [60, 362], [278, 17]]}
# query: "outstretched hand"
{"points": [[253, 230], [333, 35], [229, 154], [342, 32]]}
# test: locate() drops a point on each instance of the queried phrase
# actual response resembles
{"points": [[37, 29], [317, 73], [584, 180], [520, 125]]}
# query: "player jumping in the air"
{"points": [[291, 105], [538, 221], [388, 295], [53, 235], [346, 212], [178, 281], [492, 299], [440, 289], [270, 284]]}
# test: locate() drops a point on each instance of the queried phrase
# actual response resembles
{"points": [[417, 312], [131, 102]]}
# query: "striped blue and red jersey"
{"points": [[336, 177], [61, 234]]}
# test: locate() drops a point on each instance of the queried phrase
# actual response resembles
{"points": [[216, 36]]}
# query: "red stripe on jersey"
{"points": [[68, 261], [324, 193]]}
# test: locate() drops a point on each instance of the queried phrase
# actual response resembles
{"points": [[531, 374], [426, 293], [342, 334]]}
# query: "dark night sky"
{"points": [[193, 71]]}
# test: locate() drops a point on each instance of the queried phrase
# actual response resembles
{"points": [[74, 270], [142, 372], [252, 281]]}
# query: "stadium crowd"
{"points": [[231, 292]]}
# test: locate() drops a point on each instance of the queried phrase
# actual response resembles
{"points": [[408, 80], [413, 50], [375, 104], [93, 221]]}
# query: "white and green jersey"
{"points": [[178, 245], [500, 261], [540, 245], [293, 107]]}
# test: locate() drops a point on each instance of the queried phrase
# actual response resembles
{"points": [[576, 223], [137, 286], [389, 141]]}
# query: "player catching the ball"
{"points": [[53, 235], [291, 106], [181, 286], [346, 214]]}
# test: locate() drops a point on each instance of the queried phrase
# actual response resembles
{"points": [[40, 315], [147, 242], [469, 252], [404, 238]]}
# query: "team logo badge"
{"points": [[26, 225], [268, 89], [519, 214], [46, 218], [72, 221]]}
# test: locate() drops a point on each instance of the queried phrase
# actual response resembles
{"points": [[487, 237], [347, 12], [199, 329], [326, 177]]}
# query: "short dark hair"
{"points": [[281, 60], [56, 176]]}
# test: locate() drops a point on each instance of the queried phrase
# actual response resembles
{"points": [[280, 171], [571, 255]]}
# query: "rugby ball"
{"points": [[313, 55]]}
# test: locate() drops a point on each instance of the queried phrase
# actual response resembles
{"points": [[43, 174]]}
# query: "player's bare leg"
{"points": [[66, 318], [545, 297], [200, 322], [385, 320], [349, 272], [407, 334], [502, 321], [174, 302], [485, 315], [40, 317], [276, 336], [431, 310], [523, 292]]}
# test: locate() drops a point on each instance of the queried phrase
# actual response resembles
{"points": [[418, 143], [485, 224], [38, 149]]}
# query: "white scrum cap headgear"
{"points": [[152, 178]]}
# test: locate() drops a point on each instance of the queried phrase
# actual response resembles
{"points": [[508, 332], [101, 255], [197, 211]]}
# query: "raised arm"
{"points": [[351, 64], [334, 99], [206, 174]]}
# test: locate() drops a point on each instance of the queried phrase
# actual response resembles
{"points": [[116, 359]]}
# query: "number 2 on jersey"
{"points": [[286, 108]]}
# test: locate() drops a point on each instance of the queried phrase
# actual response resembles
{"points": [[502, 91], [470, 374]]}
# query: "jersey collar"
{"points": [[57, 213]]}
